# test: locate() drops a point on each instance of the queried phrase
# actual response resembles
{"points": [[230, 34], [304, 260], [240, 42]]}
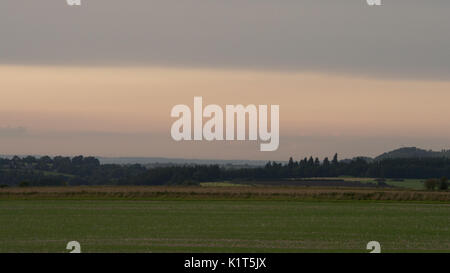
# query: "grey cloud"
{"points": [[403, 38]]}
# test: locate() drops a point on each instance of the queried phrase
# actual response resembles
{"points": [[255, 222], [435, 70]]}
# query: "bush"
{"points": [[24, 184], [443, 185], [3, 186], [431, 184]]}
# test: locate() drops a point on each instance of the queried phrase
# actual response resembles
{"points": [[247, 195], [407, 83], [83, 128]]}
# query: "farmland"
{"points": [[225, 191], [221, 219], [342, 181]]}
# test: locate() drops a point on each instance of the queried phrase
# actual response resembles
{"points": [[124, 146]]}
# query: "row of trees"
{"points": [[46, 171]]}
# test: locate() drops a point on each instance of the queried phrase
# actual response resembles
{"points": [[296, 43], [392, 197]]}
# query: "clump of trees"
{"points": [[432, 184]]}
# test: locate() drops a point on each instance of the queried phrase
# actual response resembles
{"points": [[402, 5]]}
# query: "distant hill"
{"points": [[151, 162], [413, 152]]}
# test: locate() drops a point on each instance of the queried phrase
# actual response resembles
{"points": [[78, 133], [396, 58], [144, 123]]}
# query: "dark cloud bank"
{"points": [[402, 38]]}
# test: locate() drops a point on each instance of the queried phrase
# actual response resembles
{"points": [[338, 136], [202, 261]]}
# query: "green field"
{"points": [[414, 184], [222, 226]]}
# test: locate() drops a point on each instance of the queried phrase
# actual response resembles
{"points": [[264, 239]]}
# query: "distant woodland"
{"points": [[79, 170]]}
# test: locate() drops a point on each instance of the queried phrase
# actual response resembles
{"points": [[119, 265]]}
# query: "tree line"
{"points": [[79, 170]]}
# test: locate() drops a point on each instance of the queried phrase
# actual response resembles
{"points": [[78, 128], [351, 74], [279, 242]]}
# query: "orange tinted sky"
{"points": [[56, 100]]}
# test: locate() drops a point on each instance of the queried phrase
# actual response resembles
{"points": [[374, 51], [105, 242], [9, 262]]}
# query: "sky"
{"points": [[101, 79]]}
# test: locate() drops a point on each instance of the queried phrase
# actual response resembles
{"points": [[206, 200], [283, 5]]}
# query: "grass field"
{"points": [[415, 184], [222, 226]]}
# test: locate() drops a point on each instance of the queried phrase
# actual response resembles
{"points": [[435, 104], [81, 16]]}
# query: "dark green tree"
{"points": [[443, 184], [291, 163], [335, 160]]}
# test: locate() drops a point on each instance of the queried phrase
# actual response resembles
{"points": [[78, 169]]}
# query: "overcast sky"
{"points": [[402, 38]]}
